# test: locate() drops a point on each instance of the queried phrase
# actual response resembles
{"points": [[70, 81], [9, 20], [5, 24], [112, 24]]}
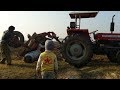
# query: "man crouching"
{"points": [[47, 64]]}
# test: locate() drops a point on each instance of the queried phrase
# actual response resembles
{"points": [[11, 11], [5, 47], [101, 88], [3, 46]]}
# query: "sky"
{"points": [[28, 22]]}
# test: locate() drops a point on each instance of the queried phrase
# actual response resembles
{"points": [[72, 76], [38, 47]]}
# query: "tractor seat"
{"points": [[72, 24]]}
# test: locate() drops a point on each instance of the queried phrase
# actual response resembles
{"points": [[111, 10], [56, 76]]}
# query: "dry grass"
{"points": [[98, 68], [18, 70]]}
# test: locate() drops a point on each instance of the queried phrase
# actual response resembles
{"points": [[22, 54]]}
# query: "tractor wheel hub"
{"points": [[76, 50]]}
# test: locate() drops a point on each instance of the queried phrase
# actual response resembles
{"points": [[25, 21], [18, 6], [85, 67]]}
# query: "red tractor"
{"points": [[78, 48]]}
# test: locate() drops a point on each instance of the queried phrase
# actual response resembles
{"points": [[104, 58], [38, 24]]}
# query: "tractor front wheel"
{"points": [[112, 56]]}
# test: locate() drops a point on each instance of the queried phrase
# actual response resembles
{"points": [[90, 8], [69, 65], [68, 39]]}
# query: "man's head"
{"points": [[11, 28], [49, 45]]}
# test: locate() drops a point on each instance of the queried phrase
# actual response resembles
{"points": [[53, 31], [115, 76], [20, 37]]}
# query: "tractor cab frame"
{"points": [[75, 26]]}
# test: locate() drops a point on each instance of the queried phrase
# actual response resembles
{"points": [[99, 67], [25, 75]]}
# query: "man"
{"points": [[5, 50], [47, 64]]}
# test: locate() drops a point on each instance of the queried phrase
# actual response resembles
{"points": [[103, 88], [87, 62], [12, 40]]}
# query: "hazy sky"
{"points": [[29, 22]]}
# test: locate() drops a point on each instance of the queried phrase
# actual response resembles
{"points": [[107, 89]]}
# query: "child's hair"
{"points": [[49, 45]]}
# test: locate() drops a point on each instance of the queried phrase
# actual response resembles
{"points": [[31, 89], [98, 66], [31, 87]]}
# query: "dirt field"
{"points": [[98, 68]]}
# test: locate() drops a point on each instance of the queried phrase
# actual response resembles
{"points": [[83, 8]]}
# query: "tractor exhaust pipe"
{"points": [[112, 24]]}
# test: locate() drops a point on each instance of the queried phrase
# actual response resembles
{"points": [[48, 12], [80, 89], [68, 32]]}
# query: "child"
{"points": [[47, 64]]}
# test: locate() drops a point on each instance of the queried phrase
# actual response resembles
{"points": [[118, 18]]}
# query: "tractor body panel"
{"points": [[108, 39], [106, 43], [108, 36]]}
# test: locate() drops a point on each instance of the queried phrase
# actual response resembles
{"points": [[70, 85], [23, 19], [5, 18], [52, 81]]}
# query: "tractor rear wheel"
{"points": [[77, 50]]}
